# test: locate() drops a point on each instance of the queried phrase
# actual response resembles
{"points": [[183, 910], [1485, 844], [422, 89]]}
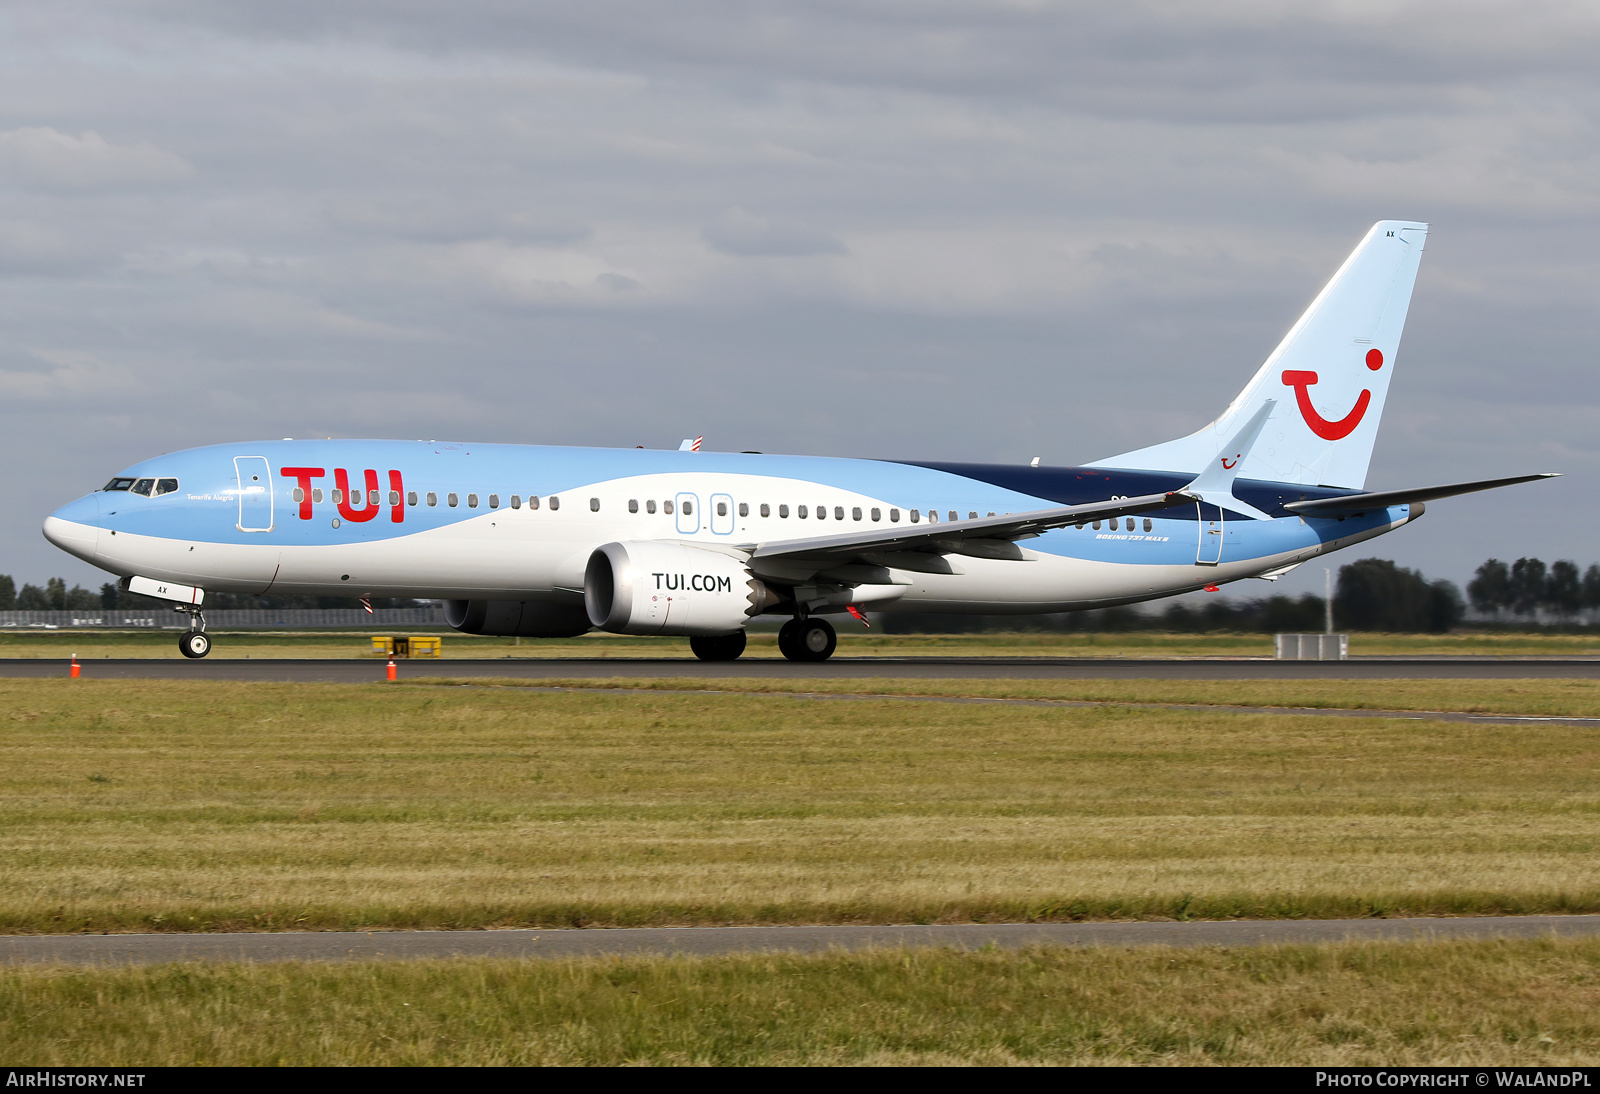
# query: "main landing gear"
{"points": [[809, 639], [194, 642], [721, 647]]}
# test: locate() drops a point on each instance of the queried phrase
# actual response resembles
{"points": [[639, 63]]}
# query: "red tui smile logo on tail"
{"points": [[1330, 431]]}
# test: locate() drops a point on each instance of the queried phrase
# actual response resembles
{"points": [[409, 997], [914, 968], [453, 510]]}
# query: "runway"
{"points": [[143, 949], [371, 670]]}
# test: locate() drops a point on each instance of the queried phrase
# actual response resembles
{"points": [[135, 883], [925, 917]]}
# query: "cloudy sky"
{"points": [[932, 229]]}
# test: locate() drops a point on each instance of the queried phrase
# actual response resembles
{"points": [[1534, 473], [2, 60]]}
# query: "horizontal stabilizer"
{"points": [[1360, 503]]}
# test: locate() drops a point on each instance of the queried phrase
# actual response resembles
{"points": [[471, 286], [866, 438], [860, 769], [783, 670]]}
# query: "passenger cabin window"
{"points": [[650, 506], [974, 516], [433, 499], [372, 497], [783, 511], [933, 516], [822, 512], [838, 513], [555, 503], [494, 501], [801, 511], [722, 508], [298, 494], [744, 509], [633, 505], [166, 486], [766, 510], [119, 484], [394, 497], [316, 494], [472, 501], [666, 507], [877, 514], [594, 505], [894, 515], [338, 496], [533, 501], [855, 514], [915, 516], [449, 499], [1147, 525], [411, 497], [144, 486], [688, 508], [953, 516], [516, 501], [1095, 526]]}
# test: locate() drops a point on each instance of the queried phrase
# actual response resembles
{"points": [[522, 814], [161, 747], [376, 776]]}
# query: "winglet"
{"points": [[1219, 474], [1214, 485]]}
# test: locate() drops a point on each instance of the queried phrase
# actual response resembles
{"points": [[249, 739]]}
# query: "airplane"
{"points": [[544, 541]]}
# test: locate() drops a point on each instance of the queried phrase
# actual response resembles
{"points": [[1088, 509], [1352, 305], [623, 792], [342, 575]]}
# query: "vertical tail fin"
{"points": [[1329, 375]]}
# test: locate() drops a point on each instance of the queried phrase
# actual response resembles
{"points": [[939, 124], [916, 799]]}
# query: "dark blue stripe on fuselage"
{"points": [[1082, 485]]}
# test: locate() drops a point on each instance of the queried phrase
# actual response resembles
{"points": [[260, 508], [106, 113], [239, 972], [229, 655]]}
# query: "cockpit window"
{"points": [[166, 486], [144, 486], [119, 484]]}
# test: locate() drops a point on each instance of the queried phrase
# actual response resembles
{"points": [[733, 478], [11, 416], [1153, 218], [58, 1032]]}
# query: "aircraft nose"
{"points": [[74, 527]]}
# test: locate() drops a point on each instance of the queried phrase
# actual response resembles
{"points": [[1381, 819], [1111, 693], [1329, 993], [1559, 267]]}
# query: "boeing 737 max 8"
{"points": [[546, 541]]}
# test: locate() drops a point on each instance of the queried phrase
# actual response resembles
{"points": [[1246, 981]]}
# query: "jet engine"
{"points": [[671, 588], [522, 618]]}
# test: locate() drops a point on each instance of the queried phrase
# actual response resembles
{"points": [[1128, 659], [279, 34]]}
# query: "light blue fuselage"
{"points": [[234, 522]]}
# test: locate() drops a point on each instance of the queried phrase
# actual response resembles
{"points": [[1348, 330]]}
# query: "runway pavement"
{"points": [[371, 670], [138, 949]]}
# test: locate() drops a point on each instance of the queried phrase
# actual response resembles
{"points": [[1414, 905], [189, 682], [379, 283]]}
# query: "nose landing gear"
{"points": [[194, 642], [809, 639]]}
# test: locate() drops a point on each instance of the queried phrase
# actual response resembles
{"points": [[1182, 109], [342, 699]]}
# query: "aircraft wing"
{"points": [[1360, 503], [986, 537]]}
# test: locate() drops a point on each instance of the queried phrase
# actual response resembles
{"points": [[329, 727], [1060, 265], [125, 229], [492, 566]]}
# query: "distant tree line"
{"points": [[1529, 589], [55, 596]]}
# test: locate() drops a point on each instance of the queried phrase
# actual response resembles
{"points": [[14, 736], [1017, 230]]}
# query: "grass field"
{"points": [[852, 643], [131, 805], [1536, 697], [1393, 1004]]}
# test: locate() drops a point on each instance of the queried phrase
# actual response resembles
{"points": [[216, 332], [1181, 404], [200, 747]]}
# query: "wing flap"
{"points": [[985, 537]]}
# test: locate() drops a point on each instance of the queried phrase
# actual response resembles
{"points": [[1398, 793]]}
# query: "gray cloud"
{"points": [[739, 232], [41, 157]]}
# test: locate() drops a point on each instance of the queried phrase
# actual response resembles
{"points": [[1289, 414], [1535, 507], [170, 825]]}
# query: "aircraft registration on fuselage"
{"points": [[550, 541]]}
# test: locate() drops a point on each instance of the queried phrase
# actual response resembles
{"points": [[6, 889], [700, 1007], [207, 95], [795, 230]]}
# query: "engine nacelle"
{"points": [[522, 618], [670, 588]]}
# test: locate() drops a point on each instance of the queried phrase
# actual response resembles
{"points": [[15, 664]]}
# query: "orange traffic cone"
{"points": [[390, 672], [73, 671]]}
